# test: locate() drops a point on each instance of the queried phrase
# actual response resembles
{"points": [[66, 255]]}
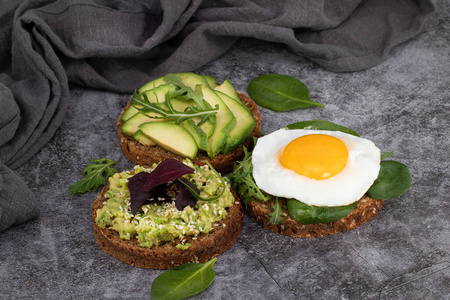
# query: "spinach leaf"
{"points": [[275, 215], [386, 155], [320, 125], [308, 214], [393, 180], [183, 281], [280, 92]]}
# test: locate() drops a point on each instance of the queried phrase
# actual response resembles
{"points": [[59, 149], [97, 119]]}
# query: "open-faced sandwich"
{"points": [[316, 178], [185, 115], [167, 215]]}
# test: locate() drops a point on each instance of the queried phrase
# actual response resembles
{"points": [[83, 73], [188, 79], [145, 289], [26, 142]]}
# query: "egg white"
{"points": [[361, 170]]}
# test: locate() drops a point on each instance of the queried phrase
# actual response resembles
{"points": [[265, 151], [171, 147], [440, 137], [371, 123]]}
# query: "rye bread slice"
{"points": [[144, 155], [203, 247], [366, 208]]}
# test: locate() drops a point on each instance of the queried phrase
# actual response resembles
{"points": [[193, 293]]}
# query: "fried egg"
{"points": [[316, 167]]}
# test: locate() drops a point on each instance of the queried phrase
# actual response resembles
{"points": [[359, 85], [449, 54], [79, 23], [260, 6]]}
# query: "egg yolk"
{"points": [[316, 156]]}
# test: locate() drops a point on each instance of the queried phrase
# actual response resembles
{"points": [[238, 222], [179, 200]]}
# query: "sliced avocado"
{"points": [[199, 135], [130, 126], [207, 127], [154, 95], [171, 137], [189, 79], [158, 94], [227, 88], [225, 121], [129, 112], [152, 84], [211, 81], [244, 123], [143, 139]]}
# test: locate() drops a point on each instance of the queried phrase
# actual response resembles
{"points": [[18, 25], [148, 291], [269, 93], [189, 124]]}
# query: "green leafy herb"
{"points": [[243, 177], [96, 175], [144, 106], [393, 180], [386, 155], [185, 92], [320, 125], [213, 198], [184, 281], [280, 92], [308, 214], [275, 215]]}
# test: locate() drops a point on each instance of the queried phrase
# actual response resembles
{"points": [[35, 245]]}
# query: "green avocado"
{"points": [[155, 223], [197, 133], [188, 79], [130, 126], [171, 137], [143, 139], [244, 123], [227, 88], [211, 81], [225, 121], [206, 129], [157, 94]]}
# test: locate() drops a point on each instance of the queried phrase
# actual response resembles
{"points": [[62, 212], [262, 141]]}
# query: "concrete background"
{"points": [[403, 253]]}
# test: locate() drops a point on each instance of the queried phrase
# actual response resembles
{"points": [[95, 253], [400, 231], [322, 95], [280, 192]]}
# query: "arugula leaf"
{"points": [[186, 92], [308, 214], [386, 155], [275, 215], [280, 92], [141, 103], [243, 176], [184, 281], [320, 125], [96, 175], [393, 180]]}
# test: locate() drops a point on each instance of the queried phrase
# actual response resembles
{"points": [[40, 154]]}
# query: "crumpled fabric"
{"points": [[119, 45]]}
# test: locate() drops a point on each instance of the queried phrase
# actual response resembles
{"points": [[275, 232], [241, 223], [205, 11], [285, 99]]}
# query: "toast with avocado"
{"points": [[159, 233], [185, 115]]}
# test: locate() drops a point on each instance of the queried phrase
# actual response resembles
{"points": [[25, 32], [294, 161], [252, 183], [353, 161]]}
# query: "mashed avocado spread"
{"points": [[163, 222]]}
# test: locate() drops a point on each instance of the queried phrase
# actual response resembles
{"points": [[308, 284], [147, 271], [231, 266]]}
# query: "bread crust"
{"points": [[144, 155], [366, 208], [203, 247]]}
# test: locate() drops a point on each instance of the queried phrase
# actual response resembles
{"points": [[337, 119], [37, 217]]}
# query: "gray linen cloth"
{"points": [[119, 45]]}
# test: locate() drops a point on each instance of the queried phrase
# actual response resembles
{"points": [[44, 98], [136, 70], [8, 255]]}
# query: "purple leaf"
{"points": [[141, 185], [137, 194], [185, 197], [166, 171]]}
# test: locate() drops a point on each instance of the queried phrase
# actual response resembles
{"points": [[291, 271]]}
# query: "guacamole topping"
{"points": [[163, 222]]}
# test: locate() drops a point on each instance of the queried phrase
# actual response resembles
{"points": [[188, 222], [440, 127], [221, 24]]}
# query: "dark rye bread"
{"points": [[203, 247], [366, 208], [144, 155]]}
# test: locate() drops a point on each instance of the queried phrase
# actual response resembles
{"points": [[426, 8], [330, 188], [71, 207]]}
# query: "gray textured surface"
{"points": [[403, 253]]}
